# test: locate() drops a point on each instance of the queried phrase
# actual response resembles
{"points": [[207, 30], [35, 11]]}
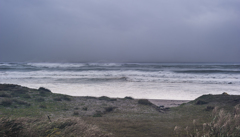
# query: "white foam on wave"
{"points": [[136, 80], [105, 64], [5, 65], [57, 65], [130, 75]]}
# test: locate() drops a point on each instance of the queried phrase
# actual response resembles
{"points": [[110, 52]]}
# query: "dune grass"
{"points": [[222, 124], [64, 127]]}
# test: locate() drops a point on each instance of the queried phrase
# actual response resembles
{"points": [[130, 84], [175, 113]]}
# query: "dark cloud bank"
{"points": [[120, 31]]}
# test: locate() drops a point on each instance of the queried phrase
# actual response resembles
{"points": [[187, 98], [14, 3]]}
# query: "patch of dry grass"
{"points": [[223, 124], [63, 127]]}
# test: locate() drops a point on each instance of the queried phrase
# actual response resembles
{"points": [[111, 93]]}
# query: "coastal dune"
{"points": [[63, 115]]}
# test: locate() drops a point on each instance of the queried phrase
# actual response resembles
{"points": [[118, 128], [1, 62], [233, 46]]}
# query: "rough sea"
{"points": [[180, 81]]}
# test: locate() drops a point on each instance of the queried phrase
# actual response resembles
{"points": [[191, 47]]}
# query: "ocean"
{"points": [[177, 81]]}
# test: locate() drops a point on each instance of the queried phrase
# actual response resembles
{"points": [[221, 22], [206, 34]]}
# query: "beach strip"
{"points": [[168, 103]]}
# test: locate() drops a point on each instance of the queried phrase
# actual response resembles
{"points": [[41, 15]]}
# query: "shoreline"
{"points": [[168, 103], [157, 102]]}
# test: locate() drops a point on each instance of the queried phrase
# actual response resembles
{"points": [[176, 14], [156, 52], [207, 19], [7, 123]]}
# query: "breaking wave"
{"points": [[121, 79]]}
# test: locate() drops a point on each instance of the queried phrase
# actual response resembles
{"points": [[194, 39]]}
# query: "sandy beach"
{"points": [[168, 103]]}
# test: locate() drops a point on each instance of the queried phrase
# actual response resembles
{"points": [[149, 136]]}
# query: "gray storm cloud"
{"points": [[120, 31]]}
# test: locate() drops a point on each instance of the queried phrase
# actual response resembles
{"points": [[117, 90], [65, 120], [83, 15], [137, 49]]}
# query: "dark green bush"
{"points": [[42, 106], [144, 102], [128, 98], [89, 97], [42, 89], [39, 99], [85, 108], [109, 109], [65, 109], [21, 91], [5, 95], [75, 113], [98, 114], [8, 87], [26, 96], [57, 99], [209, 108], [20, 102], [66, 98], [42, 93], [14, 94], [7, 102], [201, 102], [107, 98], [60, 98]]}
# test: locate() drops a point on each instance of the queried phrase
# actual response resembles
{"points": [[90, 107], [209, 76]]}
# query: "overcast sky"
{"points": [[120, 31]]}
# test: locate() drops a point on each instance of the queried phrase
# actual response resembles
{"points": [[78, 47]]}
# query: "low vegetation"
{"points": [[144, 102], [107, 98], [39, 112], [64, 127], [128, 97], [223, 124]]}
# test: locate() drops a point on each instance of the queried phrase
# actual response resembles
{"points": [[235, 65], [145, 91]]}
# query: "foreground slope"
{"points": [[39, 112]]}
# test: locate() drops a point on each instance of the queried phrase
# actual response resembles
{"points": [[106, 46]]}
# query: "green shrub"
{"points": [[144, 102], [5, 95], [109, 109], [63, 97], [65, 109], [7, 87], [26, 96], [42, 89], [39, 99], [43, 94], [209, 108], [42, 106], [89, 97], [7, 102], [107, 98], [225, 93], [85, 108], [66, 98], [201, 102], [19, 92], [128, 98], [75, 113], [57, 99], [20, 102], [14, 94], [98, 114]]}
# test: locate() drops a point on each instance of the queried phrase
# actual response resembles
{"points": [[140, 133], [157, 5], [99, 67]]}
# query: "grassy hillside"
{"points": [[39, 112]]}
